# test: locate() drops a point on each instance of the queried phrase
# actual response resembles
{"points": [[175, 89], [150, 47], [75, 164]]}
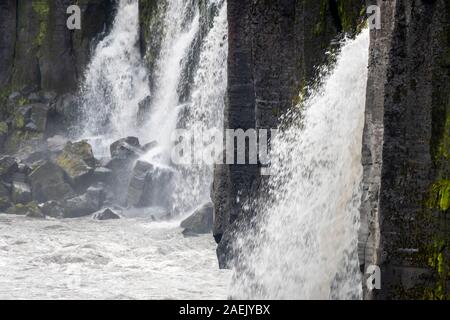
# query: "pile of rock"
{"points": [[42, 173]]}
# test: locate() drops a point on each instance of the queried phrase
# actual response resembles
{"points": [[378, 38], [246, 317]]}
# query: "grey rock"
{"points": [[126, 148], [52, 209], [78, 162], [79, 206], [8, 166], [49, 182], [149, 146], [150, 185], [106, 214], [102, 174], [200, 222], [35, 214], [31, 210]]}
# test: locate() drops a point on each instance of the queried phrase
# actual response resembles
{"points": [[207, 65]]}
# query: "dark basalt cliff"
{"points": [[42, 62], [37, 49], [405, 223]]}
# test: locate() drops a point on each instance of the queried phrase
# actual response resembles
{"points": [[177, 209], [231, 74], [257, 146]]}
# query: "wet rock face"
{"points": [[405, 151]]}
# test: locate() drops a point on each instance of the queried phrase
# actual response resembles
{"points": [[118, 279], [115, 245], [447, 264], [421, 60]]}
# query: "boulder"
{"points": [[35, 214], [31, 117], [150, 185], [126, 148], [48, 182], [52, 209], [31, 210], [21, 192], [96, 194], [8, 167], [102, 174], [79, 206], [106, 214], [85, 204], [123, 154], [35, 157], [200, 222], [137, 184], [78, 162], [66, 106], [5, 199], [149, 146]]}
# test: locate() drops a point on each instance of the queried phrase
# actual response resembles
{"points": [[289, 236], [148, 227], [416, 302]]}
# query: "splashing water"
{"points": [[304, 242], [115, 82]]}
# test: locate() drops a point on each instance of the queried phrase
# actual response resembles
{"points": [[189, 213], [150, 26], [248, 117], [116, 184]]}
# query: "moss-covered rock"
{"points": [[78, 162], [21, 141], [31, 210]]}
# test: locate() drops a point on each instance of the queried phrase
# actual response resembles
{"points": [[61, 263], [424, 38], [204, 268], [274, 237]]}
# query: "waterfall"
{"points": [[303, 243], [192, 53], [181, 27], [205, 111], [115, 82]]}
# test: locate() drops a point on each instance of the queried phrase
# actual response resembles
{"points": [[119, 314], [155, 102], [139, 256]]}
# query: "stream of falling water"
{"points": [[115, 82], [304, 245]]}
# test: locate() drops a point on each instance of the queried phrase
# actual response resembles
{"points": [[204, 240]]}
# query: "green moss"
{"points": [[73, 166], [41, 7], [22, 101], [76, 158], [443, 147], [440, 196], [20, 139], [31, 208], [438, 261], [3, 128]]}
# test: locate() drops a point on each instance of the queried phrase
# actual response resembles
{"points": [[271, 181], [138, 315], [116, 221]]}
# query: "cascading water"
{"points": [[304, 242], [205, 112], [204, 107], [115, 82], [181, 26]]}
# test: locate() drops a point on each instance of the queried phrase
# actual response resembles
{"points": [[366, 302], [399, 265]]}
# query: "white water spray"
{"points": [[304, 245], [115, 82]]}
